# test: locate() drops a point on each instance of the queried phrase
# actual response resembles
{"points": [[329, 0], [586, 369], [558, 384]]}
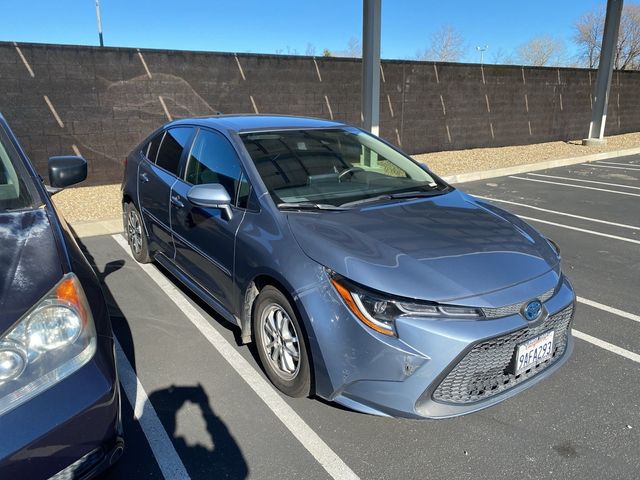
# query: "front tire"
{"points": [[136, 236], [281, 343]]}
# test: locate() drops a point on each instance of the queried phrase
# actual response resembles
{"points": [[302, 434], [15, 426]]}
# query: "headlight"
{"points": [[53, 340], [380, 312]]}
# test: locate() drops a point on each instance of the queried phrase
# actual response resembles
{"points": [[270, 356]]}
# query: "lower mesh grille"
{"points": [[484, 371]]}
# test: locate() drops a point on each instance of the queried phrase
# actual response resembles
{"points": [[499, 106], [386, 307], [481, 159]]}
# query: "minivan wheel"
{"points": [[136, 235], [281, 344]]}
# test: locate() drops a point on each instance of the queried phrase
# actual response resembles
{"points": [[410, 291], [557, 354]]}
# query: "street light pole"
{"points": [[99, 23], [482, 50], [372, 12], [605, 73]]}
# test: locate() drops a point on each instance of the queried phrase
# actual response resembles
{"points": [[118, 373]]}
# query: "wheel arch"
{"points": [[257, 283]]}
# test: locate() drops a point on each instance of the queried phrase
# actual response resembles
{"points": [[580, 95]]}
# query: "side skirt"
{"points": [[196, 288]]}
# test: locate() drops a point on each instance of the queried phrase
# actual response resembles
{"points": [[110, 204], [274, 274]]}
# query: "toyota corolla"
{"points": [[361, 276]]}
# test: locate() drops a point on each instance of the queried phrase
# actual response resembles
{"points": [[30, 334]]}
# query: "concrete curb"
{"points": [[99, 227], [532, 167]]}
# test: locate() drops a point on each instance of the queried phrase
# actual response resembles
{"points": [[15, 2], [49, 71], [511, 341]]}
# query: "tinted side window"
{"points": [[213, 160], [173, 144], [151, 150]]}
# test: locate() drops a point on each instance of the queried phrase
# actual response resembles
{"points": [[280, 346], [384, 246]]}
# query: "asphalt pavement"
{"points": [[196, 404]]}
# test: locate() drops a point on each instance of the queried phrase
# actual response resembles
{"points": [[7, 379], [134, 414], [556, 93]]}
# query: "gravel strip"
{"points": [[83, 204], [479, 159]]}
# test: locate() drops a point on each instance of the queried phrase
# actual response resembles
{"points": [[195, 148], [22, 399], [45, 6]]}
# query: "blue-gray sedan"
{"points": [[361, 276]]}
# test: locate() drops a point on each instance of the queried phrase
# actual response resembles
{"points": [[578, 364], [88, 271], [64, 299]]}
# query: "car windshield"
{"points": [[16, 187], [338, 167]]}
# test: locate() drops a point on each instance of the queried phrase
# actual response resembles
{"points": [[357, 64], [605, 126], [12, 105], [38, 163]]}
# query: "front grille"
{"points": [[485, 370], [514, 308]]}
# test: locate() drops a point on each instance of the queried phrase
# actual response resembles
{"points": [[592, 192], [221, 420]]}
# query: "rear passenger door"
{"points": [[204, 237], [156, 175]]}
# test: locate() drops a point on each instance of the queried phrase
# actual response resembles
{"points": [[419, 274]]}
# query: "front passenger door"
{"points": [[204, 238]]}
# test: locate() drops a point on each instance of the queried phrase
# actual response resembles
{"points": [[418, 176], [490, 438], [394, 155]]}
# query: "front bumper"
{"points": [[72, 430], [381, 375]]}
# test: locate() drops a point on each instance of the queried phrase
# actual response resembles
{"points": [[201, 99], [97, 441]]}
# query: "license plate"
{"points": [[533, 352]]}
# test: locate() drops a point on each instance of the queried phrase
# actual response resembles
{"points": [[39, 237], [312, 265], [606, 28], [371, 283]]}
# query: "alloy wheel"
{"points": [[280, 341], [134, 231]]}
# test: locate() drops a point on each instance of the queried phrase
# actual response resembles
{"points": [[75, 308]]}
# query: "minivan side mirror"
{"points": [[65, 171], [211, 195]]}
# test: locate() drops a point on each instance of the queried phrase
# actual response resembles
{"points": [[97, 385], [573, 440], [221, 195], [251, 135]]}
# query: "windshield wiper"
{"points": [[308, 206], [395, 196]]}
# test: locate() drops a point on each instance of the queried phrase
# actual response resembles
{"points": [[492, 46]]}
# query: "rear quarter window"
{"points": [[173, 144], [151, 149]]}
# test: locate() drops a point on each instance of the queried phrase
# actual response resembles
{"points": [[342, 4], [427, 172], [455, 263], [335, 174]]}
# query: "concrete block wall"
{"points": [[100, 102]]}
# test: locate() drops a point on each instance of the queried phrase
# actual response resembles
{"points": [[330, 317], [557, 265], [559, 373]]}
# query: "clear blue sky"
{"points": [[287, 25]]}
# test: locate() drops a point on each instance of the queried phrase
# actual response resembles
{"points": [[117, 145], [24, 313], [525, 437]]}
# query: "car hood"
{"points": [[29, 263], [441, 248]]}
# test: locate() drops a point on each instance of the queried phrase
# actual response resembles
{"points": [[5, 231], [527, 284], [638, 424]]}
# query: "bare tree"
{"points": [[353, 49], [310, 51], [446, 45], [588, 37], [541, 51], [502, 57]]}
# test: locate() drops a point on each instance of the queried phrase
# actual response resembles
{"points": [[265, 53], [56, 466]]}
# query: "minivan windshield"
{"points": [[334, 167], [16, 187]]}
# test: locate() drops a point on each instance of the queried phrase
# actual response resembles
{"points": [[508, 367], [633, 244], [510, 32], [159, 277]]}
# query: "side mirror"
{"points": [[211, 195], [65, 171]]}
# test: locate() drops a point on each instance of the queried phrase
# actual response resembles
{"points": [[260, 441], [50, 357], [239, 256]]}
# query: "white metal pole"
{"points": [[99, 23]]}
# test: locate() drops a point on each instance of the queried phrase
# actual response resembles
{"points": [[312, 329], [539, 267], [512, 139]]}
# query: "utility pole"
{"points": [[605, 73], [99, 23], [482, 50], [371, 65]]}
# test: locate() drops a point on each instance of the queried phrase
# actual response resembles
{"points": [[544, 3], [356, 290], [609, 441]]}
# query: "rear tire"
{"points": [[281, 343], [136, 236]]}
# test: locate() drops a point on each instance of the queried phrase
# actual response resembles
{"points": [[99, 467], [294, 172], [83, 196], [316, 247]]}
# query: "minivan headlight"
{"points": [[379, 312], [53, 340]]}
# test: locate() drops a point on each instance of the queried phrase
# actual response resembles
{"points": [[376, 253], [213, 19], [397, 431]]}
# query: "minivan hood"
{"points": [[29, 263], [441, 248]]}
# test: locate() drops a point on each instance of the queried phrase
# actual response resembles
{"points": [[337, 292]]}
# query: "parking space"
{"points": [[217, 417]]}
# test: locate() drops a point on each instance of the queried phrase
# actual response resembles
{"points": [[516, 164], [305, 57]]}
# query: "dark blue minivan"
{"points": [[59, 393]]}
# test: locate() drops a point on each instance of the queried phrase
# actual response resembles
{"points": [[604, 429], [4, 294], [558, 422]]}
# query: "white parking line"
{"points": [[620, 163], [584, 230], [584, 181], [555, 212], [609, 166], [309, 439], [606, 345], [607, 308], [160, 443], [576, 186]]}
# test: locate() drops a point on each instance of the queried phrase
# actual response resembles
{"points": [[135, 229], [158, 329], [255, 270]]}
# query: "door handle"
{"points": [[144, 177], [175, 200]]}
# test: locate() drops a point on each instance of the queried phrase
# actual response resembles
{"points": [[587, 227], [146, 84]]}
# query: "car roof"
{"points": [[250, 122]]}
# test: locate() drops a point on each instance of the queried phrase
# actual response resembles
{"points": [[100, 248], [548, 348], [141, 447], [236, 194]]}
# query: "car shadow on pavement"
{"points": [[215, 453]]}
